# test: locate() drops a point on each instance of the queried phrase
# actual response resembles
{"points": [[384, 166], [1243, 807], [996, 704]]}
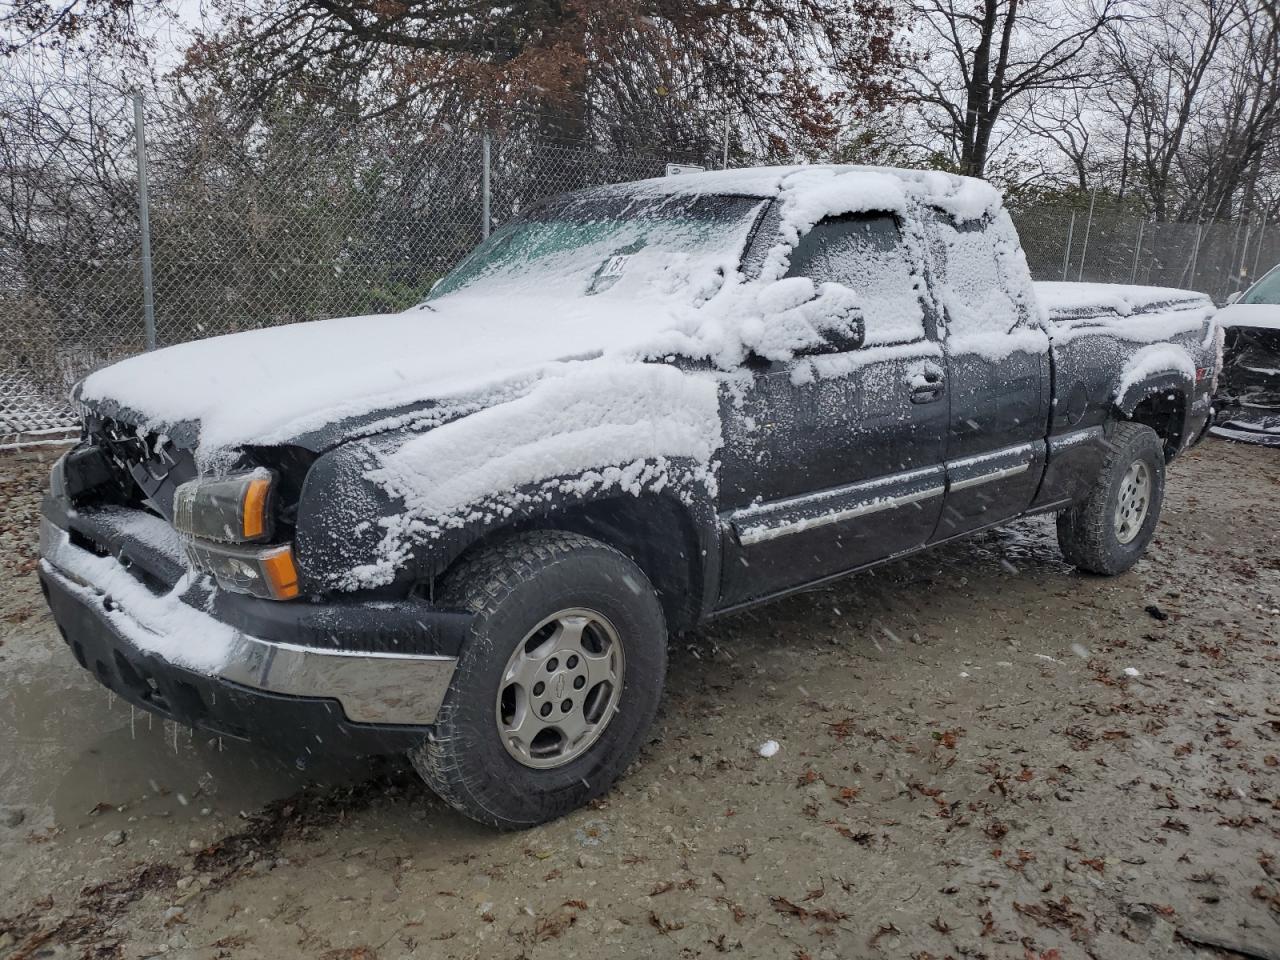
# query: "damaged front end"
{"points": [[1247, 403], [147, 568]]}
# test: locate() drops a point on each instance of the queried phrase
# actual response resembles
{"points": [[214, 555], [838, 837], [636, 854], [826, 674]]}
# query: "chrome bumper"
{"points": [[379, 688]]}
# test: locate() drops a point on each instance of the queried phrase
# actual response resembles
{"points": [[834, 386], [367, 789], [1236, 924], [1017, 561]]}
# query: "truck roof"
{"points": [[831, 185]]}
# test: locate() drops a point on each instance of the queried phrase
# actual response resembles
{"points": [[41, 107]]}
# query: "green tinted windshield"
{"points": [[583, 246], [1266, 290]]}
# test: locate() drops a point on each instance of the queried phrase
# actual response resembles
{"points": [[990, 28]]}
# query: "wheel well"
{"points": [[1165, 413], [654, 531]]}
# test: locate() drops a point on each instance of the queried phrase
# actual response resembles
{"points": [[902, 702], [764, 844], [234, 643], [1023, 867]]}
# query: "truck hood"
{"points": [[1264, 316], [327, 378]]}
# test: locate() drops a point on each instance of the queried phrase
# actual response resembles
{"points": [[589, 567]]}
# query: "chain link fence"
{"points": [[308, 213], [283, 217], [1120, 246]]}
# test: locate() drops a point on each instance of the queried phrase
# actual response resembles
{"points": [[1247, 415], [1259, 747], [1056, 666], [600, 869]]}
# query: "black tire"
{"points": [[1087, 532], [511, 588]]}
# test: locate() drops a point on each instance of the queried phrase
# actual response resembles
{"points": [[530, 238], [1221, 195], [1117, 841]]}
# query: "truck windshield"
{"points": [[1266, 290], [621, 244]]}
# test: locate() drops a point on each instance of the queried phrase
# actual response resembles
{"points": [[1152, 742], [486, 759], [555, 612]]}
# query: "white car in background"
{"points": [[1248, 396]]}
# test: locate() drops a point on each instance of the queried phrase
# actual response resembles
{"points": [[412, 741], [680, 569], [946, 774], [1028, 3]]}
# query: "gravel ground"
{"points": [[982, 754]]}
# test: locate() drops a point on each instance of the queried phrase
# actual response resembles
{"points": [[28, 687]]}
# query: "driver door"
{"points": [[835, 459]]}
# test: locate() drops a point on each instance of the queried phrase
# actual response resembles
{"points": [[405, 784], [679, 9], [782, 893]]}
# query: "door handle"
{"points": [[925, 388]]}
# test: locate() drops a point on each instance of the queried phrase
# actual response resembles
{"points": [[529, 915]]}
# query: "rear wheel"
{"points": [[1110, 530], [557, 684]]}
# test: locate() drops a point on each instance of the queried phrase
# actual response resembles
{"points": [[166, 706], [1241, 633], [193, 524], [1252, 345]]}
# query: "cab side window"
{"points": [[981, 276], [866, 253]]}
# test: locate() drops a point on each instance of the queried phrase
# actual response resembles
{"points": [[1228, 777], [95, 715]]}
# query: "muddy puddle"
{"points": [[81, 768]]}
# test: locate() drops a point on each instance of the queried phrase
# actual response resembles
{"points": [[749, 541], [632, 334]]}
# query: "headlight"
{"points": [[234, 509], [266, 572], [235, 513]]}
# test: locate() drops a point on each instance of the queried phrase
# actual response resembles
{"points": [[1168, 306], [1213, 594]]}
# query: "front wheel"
{"points": [[557, 684], [1110, 530]]}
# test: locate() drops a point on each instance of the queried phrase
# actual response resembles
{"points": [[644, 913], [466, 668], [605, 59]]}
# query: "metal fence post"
{"points": [[1257, 252], [1088, 225], [1195, 257], [1066, 256], [724, 159], [1137, 252], [484, 189], [144, 220], [1244, 257]]}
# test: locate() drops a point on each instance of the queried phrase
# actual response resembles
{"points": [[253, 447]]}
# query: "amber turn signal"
{"points": [[267, 572], [255, 508], [231, 509]]}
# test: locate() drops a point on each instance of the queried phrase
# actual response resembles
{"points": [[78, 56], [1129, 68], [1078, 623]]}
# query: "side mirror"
{"points": [[786, 294], [803, 319], [1233, 297], [841, 333]]}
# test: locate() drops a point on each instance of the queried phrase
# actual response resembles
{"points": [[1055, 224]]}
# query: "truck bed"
{"points": [[1070, 300]]}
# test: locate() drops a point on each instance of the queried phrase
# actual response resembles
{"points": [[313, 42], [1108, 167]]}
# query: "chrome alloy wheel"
{"points": [[1133, 502], [560, 688]]}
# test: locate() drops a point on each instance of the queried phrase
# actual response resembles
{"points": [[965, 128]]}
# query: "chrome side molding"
{"points": [[758, 524], [982, 478], [759, 534]]}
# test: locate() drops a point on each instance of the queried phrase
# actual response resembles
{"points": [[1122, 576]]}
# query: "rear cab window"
{"points": [[981, 279]]}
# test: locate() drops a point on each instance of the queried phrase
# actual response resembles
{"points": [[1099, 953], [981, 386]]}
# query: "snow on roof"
{"points": [[965, 198]]}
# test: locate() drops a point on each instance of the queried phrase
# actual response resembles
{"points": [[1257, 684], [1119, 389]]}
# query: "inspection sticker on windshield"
{"points": [[614, 266]]}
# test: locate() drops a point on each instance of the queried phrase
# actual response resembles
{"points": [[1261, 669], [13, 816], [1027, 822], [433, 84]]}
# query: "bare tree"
{"points": [[784, 68], [61, 25], [1164, 61], [1240, 125], [1069, 122], [979, 58]]}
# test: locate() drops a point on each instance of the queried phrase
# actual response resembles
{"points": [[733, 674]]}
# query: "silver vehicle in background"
{"points": [[1247, 401]]}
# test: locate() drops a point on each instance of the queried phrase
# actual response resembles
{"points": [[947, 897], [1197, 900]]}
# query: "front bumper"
{"points": [[1259, 425], [181, 650]]}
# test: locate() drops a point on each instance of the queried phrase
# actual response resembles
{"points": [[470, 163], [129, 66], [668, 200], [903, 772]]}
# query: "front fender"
{"points": [[352, 534], [377, 512]]}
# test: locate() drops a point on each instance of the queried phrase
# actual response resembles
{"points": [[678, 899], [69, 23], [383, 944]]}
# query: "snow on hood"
{"points": [[268, 386], [1265, 316], [272, 385]]}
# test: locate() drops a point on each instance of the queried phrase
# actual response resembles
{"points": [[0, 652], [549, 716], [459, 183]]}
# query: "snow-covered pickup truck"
{"points": [[466, 530]]}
